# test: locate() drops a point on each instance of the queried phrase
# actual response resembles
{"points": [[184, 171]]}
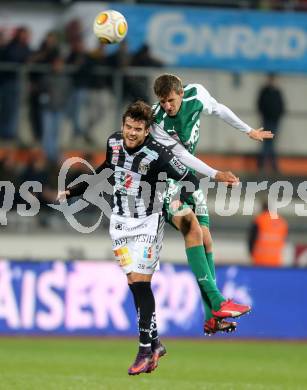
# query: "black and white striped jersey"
{"points": [[139, 176]]}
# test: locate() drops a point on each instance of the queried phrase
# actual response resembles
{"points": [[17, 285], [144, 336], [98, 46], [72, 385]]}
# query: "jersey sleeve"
{"points": [[181, 153], [213, 107], [208, 102], [174, 169], [231, 118], [193, 162], [162, 136]]}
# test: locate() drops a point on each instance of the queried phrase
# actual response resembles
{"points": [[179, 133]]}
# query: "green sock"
{"points": [[207, 305], [206, 301], [211, 265], [198, 263]]}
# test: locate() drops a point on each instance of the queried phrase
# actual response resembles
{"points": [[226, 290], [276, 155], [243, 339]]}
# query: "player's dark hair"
{"points": [[166, 83], [139, 111]]}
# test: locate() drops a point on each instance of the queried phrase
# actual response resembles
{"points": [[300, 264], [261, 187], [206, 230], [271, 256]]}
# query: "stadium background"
{"points": [[56, 281]]}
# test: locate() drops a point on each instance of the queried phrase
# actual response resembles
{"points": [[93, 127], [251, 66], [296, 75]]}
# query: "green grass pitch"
{"points": [[64, 364]]}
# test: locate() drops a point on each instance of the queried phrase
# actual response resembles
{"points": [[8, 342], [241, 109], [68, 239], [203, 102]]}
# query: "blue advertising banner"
{"points": [[220, 39], [92, 298]]}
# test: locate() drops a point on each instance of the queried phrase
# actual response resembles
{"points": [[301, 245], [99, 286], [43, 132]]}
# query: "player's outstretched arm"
{"points": [[233, 120], [213, 107], [181, 153], [191, 161], [260, 134]]}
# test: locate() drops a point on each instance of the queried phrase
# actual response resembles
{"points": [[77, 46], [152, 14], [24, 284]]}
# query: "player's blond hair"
{"points": [[167, 83]]}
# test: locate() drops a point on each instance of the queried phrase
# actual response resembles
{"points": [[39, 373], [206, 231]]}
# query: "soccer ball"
{"points": [[110, 26]]}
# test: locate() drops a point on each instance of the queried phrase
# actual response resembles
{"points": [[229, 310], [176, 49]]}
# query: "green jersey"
{"points": [[184, 127], [181, 132]]}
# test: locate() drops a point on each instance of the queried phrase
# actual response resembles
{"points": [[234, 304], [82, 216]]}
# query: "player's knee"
{"points": [[190, 226], [207, 240], [135, 277]]}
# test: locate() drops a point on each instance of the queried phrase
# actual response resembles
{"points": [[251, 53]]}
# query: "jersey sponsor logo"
{"points": [[115, 142], [119, 241], [143, 168], [123, 227], [115, 153], [194, 134], [147, 253], [123, 255], [178, 166], [144, 238]]}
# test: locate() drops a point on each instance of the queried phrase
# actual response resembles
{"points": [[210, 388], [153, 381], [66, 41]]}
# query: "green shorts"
{"points": [[200, 209]]}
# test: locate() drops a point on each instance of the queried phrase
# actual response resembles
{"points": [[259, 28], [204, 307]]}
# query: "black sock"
{"points": [[131, 286], [154, 332], [146, 305]]}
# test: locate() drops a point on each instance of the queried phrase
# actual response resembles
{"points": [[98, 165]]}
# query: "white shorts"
{"points": [[137, 242]]}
